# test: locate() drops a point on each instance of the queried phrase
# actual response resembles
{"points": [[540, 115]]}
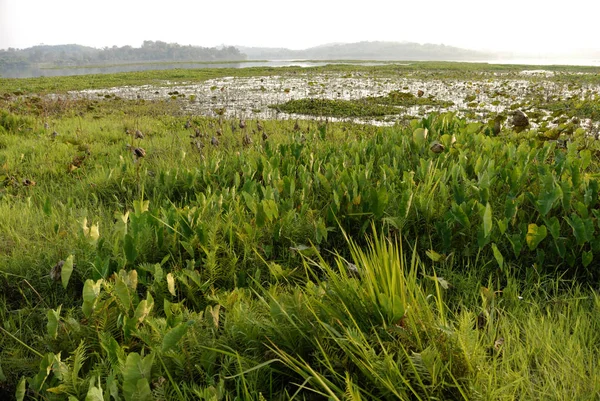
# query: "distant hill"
{"points": [[74, 55], [367, 51]]}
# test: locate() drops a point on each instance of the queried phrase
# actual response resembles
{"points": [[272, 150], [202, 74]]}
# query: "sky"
{"points": [[531, 27]]}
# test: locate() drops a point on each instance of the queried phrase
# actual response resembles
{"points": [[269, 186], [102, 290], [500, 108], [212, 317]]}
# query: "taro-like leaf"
{"points": [[189, 248], [553, 226], [498, 255], [92, 233], [95, 393], [67, 269], [535, 235], [510, 208], [460, 216], [173, 336], [122, 291], [487, 220], [586, 258], [516, 242], [250, 202], [547, 199], [20, 393], [171, 284], [140, 206], [579, 228], [441, 281], [158, 273], [144, 308], [586, 158], [433, 255], [131, 252], [270, 209], [136, 373], [419, 136], [91, 291], [142, 391], [53, 320], [502, 225]]}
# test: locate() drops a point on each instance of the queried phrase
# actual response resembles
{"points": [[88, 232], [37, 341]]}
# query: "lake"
{"points": [[36, 71]]}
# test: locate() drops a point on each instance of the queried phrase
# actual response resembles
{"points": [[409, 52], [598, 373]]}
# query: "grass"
{"points": [[329, 260], [371, 106]]}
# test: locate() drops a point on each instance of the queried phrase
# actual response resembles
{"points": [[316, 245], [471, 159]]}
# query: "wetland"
{"points": [[423, 230]]}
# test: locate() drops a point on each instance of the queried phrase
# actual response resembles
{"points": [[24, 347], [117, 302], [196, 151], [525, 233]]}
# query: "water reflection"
{"points": [[29, 71], [35, 71]]}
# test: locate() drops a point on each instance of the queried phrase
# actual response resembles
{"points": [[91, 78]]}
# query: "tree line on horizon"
{"points": [[74, 55]]}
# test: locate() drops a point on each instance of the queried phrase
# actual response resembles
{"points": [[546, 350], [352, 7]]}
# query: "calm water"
{"points": [[45, 72], [33, 71]]}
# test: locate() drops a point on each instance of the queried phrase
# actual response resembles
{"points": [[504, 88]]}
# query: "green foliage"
{"points": [[247, 271]]}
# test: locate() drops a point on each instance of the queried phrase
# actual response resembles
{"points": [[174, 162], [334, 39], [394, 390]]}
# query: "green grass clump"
{"points": [[335, 108], [372, 106]]}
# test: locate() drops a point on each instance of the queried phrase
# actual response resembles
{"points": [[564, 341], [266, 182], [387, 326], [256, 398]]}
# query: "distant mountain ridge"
{"points": [[367, 51]]}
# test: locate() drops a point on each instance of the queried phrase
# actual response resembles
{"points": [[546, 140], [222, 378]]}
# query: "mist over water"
{"points": [[34, 71]]}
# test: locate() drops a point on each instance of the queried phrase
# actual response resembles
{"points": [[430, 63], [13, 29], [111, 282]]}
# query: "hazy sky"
{"points": [[531, 26]]}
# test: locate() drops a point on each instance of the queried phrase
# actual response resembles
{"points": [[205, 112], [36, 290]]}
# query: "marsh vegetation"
{"points": [[161, 238]]}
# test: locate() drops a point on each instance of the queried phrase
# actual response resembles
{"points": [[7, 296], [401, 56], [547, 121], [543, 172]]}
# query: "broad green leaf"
{"points": [[553, 226], [502, 225], [535, 235], [92, 233], [487, 220], [137, 369], [214, 312], [122, 291], [419, 136], [20, 393], [173, 336], [498, 256], [433, 255], [250, 202], [579, 228], [189, 248], [158, 273], [473, 128], [460, 216], [95, 393], [171, 284], [142, 391], [510, 208], [116, 354], [2, 377], [320, 231], [586, 158], [140, 206], [53, 319], [441, 281], [129, 247], [548, 199], [91, 291], [37, 382], [561, 247], [586, 258], [66, 271], [379, 201], [121, 222], [143, 309]]}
